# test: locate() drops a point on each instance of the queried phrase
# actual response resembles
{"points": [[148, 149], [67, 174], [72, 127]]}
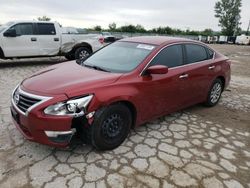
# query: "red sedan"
{"points": [[117, 88]]}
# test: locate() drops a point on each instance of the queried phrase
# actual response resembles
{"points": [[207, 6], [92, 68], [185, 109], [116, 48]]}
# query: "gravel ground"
{"points": [[196, 147]]}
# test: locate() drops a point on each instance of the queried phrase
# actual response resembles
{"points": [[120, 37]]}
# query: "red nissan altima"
{"points": [[117, 88]]}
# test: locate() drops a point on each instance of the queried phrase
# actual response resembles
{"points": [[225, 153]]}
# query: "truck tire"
{"points": [[82, 53]]}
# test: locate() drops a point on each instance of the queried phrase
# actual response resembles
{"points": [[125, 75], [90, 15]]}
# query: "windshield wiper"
{"points": [[95, 67]]}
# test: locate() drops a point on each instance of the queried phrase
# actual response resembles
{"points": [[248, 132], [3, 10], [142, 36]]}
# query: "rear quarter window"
{"points": [[195, 53], [210, 53]]}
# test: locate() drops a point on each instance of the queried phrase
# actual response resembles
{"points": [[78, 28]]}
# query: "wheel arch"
{"points": [[132, 109], [123, 101], [83, 44], [222, 78]]}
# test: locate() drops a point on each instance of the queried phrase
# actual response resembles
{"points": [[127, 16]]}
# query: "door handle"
{"points": [[33, 39], [56, 39], [211, 67], [183, 76]]}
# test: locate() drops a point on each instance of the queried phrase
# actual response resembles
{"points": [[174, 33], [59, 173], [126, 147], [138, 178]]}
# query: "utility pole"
{"points": [[248, 28]]}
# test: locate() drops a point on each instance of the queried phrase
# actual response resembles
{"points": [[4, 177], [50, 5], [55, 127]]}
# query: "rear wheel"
{"points": [[81, 53], [111, 127], [214, 93]]}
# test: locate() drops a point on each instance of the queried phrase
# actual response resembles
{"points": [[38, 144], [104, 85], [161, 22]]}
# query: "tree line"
{"points": [[159, 30]]}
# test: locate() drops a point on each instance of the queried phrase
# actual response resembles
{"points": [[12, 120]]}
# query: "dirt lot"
{"points": [[197, 147]]}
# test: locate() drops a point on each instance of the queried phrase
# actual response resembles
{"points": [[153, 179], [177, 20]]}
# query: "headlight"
{"points": [[74, 107]]}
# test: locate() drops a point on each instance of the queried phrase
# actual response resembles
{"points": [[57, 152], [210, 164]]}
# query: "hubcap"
{"points": [[83, 54], [112, 126], [215, 93]]}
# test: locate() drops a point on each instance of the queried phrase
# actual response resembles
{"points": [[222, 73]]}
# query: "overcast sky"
{"points": [[183, 14]]}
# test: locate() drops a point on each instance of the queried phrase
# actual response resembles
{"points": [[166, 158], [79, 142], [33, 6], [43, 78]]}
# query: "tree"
{"points": [[128, 29], [97, 28], [140, 29], [44, 18], [228, 12], [112, 26], [207, 32]]}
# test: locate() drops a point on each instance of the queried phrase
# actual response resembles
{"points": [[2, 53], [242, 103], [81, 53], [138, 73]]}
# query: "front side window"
{"points": [[3, 27], [24, 29], [46, 29], [195, 53], [171, 56], [119, 57]]}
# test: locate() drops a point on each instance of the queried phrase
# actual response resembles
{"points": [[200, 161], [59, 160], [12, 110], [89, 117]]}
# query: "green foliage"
{"points": [[112, 26], [207, 32], [159, 30], [128, 28], [97, 28], [44, 18], [228, 12]]}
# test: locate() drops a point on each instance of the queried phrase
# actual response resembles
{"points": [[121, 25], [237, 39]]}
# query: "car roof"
{"points": [[31, 21], [155, 40]]}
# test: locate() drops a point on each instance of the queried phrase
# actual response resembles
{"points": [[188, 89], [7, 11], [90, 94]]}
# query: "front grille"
{"points": [[25, 102]]}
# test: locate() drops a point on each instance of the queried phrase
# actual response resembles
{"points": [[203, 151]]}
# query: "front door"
{"points": [[24, 44], [164, 93]]}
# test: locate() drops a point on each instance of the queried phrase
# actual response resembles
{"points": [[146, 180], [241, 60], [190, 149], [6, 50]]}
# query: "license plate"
{"points": [[15, 115]]}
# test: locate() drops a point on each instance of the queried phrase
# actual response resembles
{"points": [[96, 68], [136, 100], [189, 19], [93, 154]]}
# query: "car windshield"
{"points": [[119, 57], [3, 27]]}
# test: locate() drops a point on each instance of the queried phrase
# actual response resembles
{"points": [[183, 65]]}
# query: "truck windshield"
{"points": [[3, 27], [119, 57]]}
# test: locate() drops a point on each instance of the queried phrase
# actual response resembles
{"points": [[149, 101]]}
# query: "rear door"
{"points": [[48, 38], [199, 72], [24, 44]]}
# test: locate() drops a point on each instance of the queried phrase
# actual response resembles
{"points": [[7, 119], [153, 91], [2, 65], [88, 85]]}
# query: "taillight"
{"points": [[101, 40]]}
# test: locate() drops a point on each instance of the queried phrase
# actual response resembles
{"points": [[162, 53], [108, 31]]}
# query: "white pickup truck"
{"points": [[24, 39]]}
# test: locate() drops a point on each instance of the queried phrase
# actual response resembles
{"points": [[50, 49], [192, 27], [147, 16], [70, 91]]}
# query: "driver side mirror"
{"points": [[157, 69], [10, 33]]}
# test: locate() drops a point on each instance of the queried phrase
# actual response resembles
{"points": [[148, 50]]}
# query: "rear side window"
{"points": [[46, 29], [171, 56], [195, 53], [24, 29]]}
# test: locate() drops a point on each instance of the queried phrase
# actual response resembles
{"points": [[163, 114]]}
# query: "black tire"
{"points": [[82, 53], [111, 127], [214, 93]]}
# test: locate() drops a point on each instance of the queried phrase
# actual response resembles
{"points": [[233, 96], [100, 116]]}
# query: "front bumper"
{"points": [[44, 129]]}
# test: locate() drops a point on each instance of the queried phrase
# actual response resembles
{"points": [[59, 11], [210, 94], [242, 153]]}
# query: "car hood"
{"points": [[67, 78]]}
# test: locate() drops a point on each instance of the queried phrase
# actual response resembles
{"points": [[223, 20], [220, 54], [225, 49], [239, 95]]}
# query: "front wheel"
{"points": [[214, 93], [111, 127]]}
